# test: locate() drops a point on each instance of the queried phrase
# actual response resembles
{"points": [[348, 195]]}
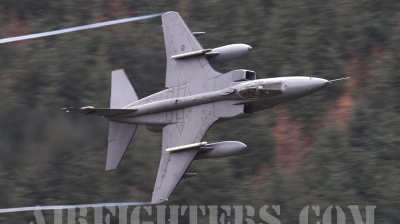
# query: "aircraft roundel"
{"points": [[182, 47]]}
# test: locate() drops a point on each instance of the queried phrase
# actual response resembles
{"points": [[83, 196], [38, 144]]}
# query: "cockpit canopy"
{"points": [[261, 89]]}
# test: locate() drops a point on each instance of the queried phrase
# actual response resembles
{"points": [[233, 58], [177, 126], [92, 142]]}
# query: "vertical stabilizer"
{"points": [[122, 92]]}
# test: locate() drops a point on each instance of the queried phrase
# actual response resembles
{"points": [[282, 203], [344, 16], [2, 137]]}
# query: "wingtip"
{"points": [[110, 167], [157, 202], [169, 12]]}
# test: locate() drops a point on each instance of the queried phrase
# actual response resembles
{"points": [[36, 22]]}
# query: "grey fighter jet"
{"points": [[195, 98]]}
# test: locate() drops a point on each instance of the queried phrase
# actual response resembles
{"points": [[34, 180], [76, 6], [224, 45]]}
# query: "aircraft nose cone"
{"points": [[249, 47], [297, 87], [317, 84]]}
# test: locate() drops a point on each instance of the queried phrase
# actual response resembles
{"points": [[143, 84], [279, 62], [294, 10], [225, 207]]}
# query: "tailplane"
{"points": [[119, 137], [119, 134], [122, 92]]}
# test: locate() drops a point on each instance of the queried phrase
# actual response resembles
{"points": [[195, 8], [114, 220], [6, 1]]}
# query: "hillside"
{"points": [[336, 147]]}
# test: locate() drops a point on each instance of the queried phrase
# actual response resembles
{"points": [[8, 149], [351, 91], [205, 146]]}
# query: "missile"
{"points": [[228, 52]]}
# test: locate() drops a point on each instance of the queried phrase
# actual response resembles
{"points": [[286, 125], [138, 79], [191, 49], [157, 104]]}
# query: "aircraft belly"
{"points": [[225, 109], [162, 118], [149, 119]]}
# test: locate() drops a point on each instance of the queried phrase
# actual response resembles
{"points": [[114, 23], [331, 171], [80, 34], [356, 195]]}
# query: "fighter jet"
{"points": [[195, 97]]}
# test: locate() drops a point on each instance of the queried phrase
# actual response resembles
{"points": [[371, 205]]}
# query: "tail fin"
{"points": [[119, 134], [122, 92]]}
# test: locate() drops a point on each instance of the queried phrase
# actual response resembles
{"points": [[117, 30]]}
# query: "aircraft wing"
{"points": [[195, 71], [191, 129]]}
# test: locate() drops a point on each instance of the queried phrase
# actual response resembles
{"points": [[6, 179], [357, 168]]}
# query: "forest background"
{"points": [[336, 147]]}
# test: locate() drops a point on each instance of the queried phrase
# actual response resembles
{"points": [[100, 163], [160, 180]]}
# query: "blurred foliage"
{"points": [[350, 152]]}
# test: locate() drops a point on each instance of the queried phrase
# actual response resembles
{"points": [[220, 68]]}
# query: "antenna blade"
{"points": [[334, 80], [78, 28]]}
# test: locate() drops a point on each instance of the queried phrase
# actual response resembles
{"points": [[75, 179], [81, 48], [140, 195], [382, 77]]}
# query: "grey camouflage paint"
{"points": [[195, 98]]}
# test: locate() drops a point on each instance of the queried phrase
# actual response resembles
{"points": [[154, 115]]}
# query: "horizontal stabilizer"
{"points": [[105, 112], [122, 92], [119, 137]]}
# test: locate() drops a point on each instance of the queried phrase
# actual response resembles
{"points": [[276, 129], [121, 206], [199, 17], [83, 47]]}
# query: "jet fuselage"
{"points": [[267, 92]]}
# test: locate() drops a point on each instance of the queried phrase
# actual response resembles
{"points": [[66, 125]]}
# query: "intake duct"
{"points": [[233, 78], [248, 109], [243, 75]]}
